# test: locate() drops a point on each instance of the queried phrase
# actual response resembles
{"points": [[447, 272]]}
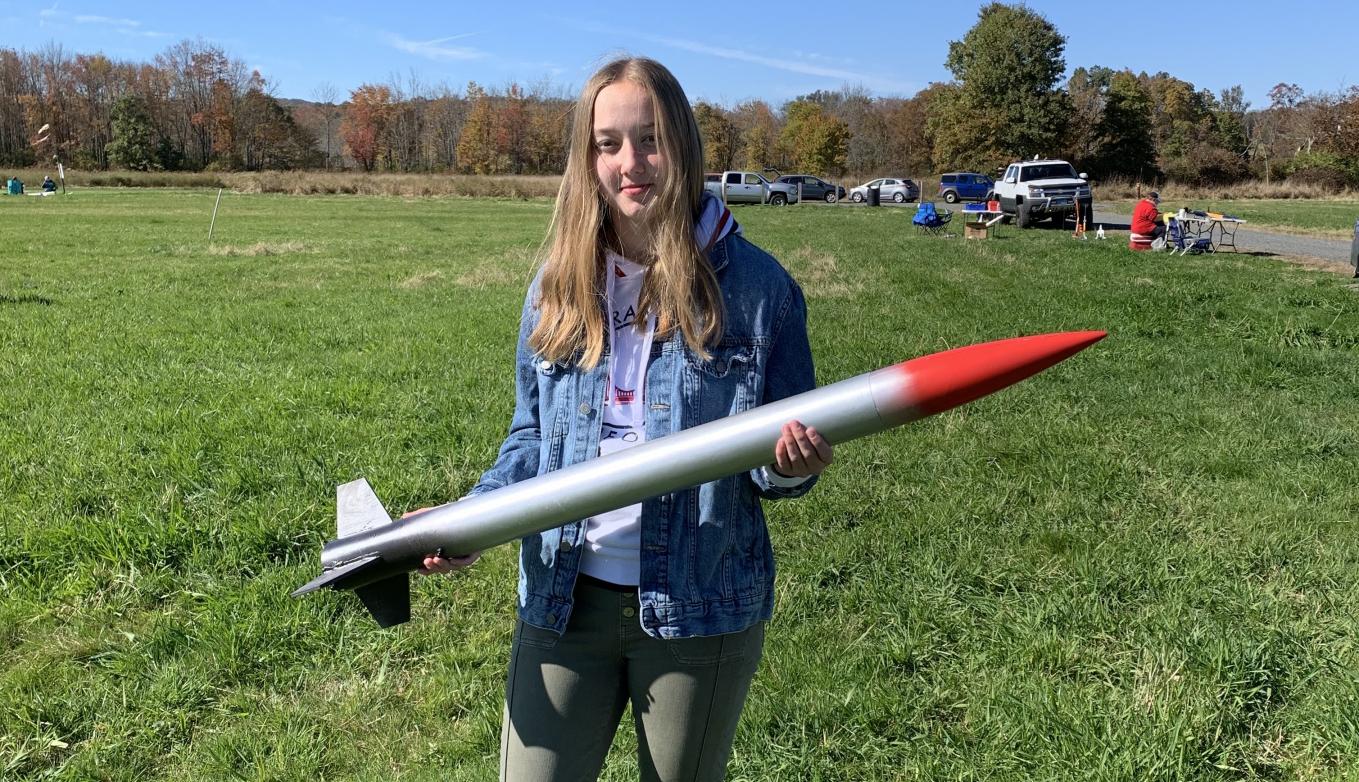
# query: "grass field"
{"points": [[1139, 565]]}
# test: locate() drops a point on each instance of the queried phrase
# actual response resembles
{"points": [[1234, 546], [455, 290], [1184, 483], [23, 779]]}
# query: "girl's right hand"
{"points": [[434, 563]]}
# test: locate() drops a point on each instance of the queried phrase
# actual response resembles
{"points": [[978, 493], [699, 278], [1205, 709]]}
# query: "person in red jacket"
{"points": [[1146, 220]]}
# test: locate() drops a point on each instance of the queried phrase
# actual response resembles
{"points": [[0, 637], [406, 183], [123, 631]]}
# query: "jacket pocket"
{"points": [[722, 384]]}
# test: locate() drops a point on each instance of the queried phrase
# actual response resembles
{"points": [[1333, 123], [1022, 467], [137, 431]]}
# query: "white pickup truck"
{"points": [[748, 187], [1033, 190]]}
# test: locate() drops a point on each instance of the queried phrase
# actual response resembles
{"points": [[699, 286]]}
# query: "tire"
{"points": [[900, 198], [857, 198], [778, 199], [830, 197], [950, 197], [1022, 216]]}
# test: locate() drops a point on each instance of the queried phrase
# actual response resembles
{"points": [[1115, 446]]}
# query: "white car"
{"points": [[898, 190]]}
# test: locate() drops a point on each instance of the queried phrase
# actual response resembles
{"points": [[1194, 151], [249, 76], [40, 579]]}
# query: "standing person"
{"points": [[1146, 220], [651, 314]]}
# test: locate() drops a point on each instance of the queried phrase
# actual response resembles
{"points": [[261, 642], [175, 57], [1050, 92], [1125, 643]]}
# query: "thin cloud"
{"points": [[436, 49], [116, 24], [90, 19], [777, 63]]}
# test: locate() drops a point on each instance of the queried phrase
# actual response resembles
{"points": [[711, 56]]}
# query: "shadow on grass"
{"points": [[26, 298]]}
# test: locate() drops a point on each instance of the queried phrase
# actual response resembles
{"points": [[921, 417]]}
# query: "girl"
{"points": [[651, 314]]}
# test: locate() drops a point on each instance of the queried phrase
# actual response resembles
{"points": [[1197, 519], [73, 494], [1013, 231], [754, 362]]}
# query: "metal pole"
{"points": [[213, 224]]}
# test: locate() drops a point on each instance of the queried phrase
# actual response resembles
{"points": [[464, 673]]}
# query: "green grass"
{"points": [[1327, 218], [1139, 565]]}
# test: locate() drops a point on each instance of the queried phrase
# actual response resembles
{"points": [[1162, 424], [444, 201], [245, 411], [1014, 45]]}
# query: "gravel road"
{"points": [[1255, 241]]}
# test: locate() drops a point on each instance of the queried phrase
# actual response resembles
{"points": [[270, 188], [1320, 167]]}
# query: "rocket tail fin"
{"points": [[388, 600]]}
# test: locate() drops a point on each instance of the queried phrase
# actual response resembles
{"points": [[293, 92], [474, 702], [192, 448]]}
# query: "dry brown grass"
{"points": [[317, 182], [821, 276], [258, 249], [527, 187], [1118, 189]]}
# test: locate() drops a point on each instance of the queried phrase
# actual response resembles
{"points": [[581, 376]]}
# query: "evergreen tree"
{"points": [[1125, 145], [134, 144], [1007, 105]]}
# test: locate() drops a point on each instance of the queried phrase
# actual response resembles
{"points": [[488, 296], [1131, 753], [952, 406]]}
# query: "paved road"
{"points": [[1248, 240], [1251, 240]]}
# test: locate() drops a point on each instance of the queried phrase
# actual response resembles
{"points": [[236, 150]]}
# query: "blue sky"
{"points": [[724, 52]]}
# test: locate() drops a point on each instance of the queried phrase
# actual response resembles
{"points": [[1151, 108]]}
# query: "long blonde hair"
{"points": [[680, 288]]}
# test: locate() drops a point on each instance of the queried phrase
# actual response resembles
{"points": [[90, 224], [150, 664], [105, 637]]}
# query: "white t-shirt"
{"points": [[613, 540]]}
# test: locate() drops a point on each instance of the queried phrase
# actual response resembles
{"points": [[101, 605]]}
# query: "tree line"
{"points": [[194, 107]]}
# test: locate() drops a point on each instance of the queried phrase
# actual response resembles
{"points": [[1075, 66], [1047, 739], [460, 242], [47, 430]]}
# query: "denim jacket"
{"points": [[707, 566]]}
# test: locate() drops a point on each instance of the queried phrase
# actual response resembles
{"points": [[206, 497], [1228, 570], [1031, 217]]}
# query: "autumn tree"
{"points": [[14, 142], [718, 134], [476, 147], [759, 133], [815, 141], [325, 94], [365, 123]]}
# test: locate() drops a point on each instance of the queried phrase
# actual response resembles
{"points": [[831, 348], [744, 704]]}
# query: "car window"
{"points": [[734, 178], [1010, 173], [752, 179], [948, 178], [1048, 171]]}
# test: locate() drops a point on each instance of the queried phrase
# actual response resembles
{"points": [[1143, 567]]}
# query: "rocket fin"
{"points": [[388, 600], [357, 509]]}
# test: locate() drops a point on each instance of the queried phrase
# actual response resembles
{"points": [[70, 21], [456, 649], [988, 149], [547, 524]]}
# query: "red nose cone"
{"points": [[941, 381]]}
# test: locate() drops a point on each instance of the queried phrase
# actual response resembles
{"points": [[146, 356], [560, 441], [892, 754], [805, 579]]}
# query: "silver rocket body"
{"points": [[372, 554]]}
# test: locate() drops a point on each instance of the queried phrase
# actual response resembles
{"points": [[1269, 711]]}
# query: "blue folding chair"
{"points": [[930, 220], [1179, 241]]}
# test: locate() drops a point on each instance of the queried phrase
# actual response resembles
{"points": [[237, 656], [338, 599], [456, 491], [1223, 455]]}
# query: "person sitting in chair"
{"points": [[1146, 220], [48, 186]]}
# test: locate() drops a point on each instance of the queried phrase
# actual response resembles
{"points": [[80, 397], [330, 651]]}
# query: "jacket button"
{"points": [[584, 408], [629, 612], [566, 545], [720, 366], [545, 365], [552, 619]]}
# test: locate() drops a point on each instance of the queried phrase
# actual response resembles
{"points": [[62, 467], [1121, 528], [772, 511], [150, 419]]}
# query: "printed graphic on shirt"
{"points": [[625, 318], [623, 432]]}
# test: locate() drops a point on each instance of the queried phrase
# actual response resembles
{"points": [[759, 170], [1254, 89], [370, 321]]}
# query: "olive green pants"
{"points": [[565, 695]]}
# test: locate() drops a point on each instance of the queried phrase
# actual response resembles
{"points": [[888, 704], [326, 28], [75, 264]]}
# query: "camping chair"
{"points": [[929, 220], [1179, 241]]}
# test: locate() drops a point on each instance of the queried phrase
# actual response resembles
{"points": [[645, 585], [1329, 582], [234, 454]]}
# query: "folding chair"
{"points": [[930, 220], [1179, 241]]}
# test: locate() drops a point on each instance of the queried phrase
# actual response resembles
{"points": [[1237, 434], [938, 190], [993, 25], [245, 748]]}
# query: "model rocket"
{"points": [[373, 555]]}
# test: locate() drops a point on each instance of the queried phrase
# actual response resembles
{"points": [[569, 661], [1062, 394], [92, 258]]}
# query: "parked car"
{"points": [[1034, 190], [748, 187], [814, 187], [899, 190], [965, 186]]}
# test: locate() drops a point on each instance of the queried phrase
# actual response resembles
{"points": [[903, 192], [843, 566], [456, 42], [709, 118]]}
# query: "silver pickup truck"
{"points": [[748, 187]]}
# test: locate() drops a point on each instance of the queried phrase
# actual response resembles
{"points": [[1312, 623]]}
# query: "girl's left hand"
{"points": [[801, 451]]}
